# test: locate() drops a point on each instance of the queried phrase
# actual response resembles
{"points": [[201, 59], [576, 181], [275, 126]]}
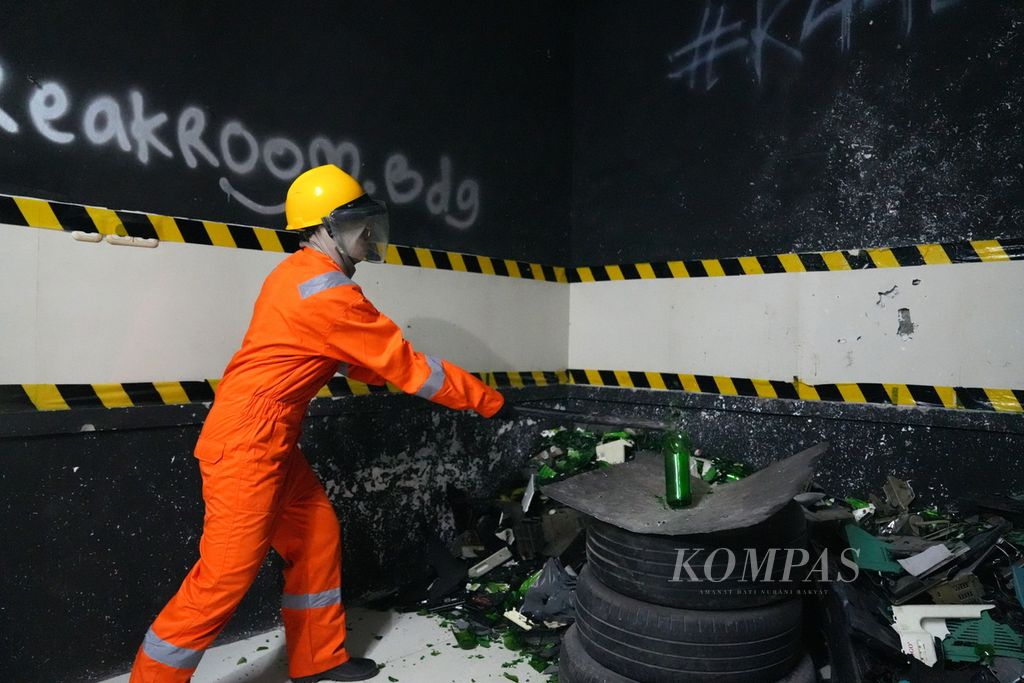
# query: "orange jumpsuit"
{"points": [[260, 491]]}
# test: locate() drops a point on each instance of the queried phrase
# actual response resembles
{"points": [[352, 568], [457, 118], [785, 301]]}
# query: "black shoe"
{"points": [[355, 669]]}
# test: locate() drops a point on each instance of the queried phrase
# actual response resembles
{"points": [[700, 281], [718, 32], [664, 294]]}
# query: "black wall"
{"points": [[100, 527], [101, 513], [794, 125], [484, 86]]}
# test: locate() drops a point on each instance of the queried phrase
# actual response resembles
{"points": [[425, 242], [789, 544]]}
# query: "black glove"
{"points": [[507, 412]]}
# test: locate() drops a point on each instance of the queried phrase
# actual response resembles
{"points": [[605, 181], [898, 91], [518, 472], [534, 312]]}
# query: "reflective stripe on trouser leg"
{"points": [[308, 538], [311, 600], [148, 670]]}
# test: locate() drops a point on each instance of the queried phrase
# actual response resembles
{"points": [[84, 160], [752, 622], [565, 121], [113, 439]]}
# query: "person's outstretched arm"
{"points": [[373, 346]]}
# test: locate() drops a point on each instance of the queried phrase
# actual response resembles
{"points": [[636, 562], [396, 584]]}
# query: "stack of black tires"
{"points": [[635, 623]]}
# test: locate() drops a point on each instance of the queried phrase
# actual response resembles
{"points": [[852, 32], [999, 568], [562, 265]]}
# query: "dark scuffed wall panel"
{"points": [[388, 472], [733, 127], [947, 454], [100, 529]]}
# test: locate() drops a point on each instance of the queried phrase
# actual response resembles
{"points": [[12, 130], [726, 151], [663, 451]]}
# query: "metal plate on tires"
{"points": [[631, 495]]}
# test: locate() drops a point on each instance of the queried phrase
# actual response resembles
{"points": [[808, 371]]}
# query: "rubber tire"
{"points": [[642, 566], [662, 644], [576, 666]]}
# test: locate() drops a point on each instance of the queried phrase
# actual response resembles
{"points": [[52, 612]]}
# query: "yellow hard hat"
{"points": [[316, 193]]}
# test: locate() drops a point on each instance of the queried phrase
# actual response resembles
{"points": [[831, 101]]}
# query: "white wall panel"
{"points": [[968, 322], [118, 314], [105, 313], [822, 327], [76, 312], [18, 282], [739, 326], [481, 322]]}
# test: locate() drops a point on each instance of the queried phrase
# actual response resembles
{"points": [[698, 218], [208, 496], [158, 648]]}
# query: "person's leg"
{"points": [[308, 538], [241, 498]]}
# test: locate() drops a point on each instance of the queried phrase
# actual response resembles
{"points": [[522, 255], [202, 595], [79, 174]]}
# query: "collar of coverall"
{"points": [[322, 241]]}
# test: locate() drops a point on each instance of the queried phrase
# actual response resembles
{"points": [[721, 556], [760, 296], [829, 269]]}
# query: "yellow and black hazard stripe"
{"points": [[998, 400], [32, 397], [946, 253], [40, 213], [521, 379], [469, 263]]}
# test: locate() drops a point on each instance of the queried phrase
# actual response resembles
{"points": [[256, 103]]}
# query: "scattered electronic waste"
{"points": [[938, 594]]}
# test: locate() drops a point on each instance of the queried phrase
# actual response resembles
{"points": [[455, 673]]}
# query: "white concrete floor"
{"points": [[412, 648]]}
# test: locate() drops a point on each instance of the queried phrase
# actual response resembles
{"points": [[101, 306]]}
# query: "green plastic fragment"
{"points": [[870, 552], [392, 679], [241, 661], [857, 503], [511, 677], [1017, 569], [980, 640]]}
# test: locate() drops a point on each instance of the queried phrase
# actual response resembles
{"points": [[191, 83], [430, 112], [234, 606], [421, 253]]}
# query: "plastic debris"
{"points": [[870, 552], [898, 493], [919, 625], [926, 560], [613, 452], [518, 619], [1017, 571], [496, 560], [550, 598], [979, 640], [962, 590]]}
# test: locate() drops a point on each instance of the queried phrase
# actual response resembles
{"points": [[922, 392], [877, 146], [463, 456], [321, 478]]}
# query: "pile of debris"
{"points": [[937, 595], [927, 575], [508, 580]]}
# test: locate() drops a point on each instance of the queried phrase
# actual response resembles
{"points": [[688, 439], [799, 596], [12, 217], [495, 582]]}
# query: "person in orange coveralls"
{"points": [[309, 321]]}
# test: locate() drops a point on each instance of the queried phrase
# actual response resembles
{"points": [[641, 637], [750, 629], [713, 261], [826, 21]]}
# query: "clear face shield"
{"points": [[360, 229]]}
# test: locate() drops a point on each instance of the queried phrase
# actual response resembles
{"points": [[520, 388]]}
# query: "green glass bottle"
{"points": [[677, 450]]}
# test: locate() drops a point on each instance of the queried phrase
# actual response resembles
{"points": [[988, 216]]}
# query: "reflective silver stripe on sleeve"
{"points": [[179, 657], [311, 600], [435, 381], [323, 282]]}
